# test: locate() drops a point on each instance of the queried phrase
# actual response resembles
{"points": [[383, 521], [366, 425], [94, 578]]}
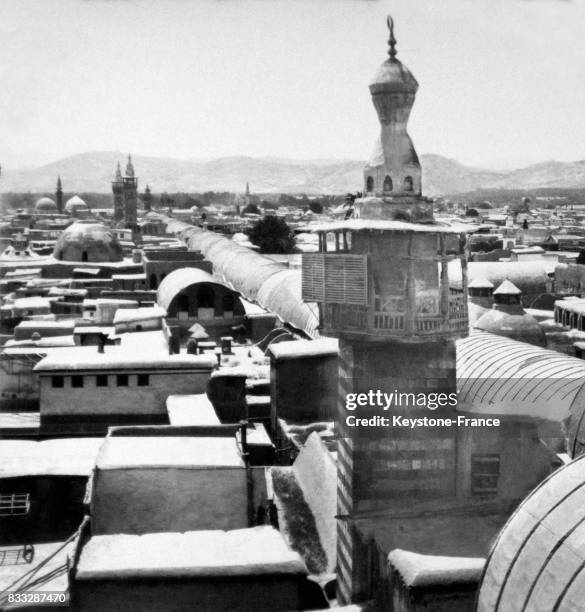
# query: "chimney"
{"points": [[226, 345], [244, 438]]}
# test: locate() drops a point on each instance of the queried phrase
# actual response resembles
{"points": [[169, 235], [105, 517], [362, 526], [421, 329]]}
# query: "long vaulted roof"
{"points": [[257, 278]]}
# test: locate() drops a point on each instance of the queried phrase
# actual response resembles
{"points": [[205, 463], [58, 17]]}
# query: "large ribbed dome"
{"points": [[88, 242], [538, 561], [45, 205]]}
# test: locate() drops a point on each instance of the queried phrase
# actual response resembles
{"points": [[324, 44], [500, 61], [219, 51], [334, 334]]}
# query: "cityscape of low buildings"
{"points": [[389, 418]]}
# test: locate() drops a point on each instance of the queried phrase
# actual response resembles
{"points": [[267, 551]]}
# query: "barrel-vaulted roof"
{"points": [[497, 375], [178, 280]]}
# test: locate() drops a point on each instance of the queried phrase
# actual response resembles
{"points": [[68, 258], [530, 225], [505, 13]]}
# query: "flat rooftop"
{"points": [[241, 552], [61, 457], [87, 358], [296, 349], [191, 410], [193, 452]]}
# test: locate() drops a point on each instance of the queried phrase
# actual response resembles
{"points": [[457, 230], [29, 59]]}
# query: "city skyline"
{"points": [[288, 80]]}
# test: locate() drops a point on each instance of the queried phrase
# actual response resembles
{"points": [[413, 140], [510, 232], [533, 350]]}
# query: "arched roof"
{"points": [[497, 375], [178, 280], [256, 277], [529, 276], [538, 560]]}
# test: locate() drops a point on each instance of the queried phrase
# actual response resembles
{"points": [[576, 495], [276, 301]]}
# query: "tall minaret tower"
{"points": [[59, 195], [381, 284], [130, 195], [118, 190]]}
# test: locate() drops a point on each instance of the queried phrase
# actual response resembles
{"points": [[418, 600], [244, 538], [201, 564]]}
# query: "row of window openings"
{"points": [[101, 380], [408, 184]]}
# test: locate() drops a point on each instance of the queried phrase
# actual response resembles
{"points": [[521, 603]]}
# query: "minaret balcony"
{"points": [[349, 305]]}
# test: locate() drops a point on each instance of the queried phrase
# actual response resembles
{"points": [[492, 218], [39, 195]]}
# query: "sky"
{"points": [[502, 82]]}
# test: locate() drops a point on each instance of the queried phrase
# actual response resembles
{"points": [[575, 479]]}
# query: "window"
{"points": [[370, 183], [387, 183], [122, 380], [84, 256], [101, 380], [485, 471], [153, 281], [227, 303], [77, 381], [408, 184], [143, 380], [58, 382]]}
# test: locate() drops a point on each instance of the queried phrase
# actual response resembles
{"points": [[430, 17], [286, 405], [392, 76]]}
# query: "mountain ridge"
{"points": [[93, 171]]}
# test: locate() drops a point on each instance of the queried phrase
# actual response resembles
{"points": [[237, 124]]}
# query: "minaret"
{"points": [[393, 170], [130, 196], [147, 199], [59, 195], [118, 190], [247, 188], [382, 287]]}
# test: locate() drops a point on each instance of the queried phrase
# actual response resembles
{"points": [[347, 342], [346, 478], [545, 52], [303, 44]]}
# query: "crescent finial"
{"points": [[391, 39]]}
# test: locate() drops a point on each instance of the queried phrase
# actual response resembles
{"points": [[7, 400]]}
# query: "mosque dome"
{"points": [[538, 560], [74, 203], [88, 242], [508, 317], [46, 205]]}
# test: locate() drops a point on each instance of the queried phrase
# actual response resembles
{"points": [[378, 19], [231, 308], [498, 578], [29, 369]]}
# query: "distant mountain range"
{"points": [[93, 172]]}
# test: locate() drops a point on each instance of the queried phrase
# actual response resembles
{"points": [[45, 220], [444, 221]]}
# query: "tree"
{"points": [[316, 207], [272, 235], [252, 209]]}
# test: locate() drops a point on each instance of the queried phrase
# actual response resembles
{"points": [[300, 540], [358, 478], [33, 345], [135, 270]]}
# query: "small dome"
{"points": [[46, 205], [508, 317], [538, 560], [88, 242], [75, 203]]}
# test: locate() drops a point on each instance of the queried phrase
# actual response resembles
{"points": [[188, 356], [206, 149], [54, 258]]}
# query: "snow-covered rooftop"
{"points": [[304, 348], [241, 552], [123, 357], [131, 315], [418, 570], [61, 457], [191, 410], [168, 451]]}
